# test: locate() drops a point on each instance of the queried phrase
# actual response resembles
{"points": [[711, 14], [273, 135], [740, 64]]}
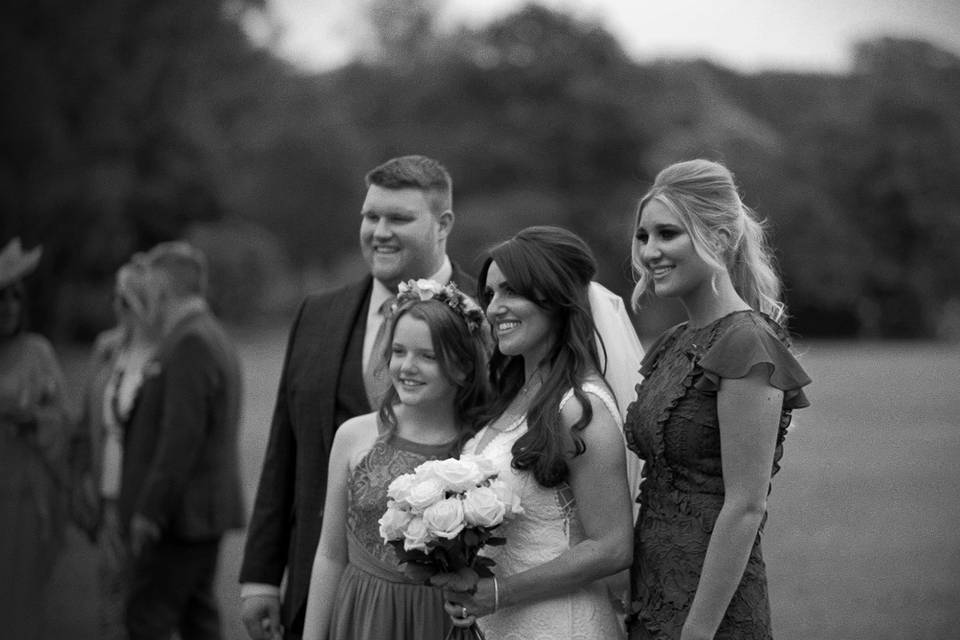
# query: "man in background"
{"points": [[180, 489]]}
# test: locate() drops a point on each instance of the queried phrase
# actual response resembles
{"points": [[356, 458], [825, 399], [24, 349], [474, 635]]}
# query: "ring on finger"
{"points": [[463, 612]]}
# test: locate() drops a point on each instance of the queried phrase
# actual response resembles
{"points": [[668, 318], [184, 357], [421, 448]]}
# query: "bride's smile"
{"points": [[521, 326]]}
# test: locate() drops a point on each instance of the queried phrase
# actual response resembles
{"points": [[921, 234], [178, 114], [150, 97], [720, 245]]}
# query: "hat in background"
{"points": [[15, 263]]}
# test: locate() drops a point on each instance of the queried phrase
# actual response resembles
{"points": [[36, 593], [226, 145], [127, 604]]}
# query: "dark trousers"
{"points": [[172, 590]]}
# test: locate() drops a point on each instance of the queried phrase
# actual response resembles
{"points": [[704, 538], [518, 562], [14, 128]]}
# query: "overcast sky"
{"points": [[746, 35]]}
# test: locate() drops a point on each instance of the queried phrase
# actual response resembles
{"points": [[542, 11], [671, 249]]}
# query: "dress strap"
{"points": [[600, 391]]}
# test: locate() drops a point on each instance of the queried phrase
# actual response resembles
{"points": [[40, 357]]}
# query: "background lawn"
{"points": [[862, 539]]}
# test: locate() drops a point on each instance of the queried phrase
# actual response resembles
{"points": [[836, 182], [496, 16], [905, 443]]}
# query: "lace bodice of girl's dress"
{"points": [[367, 490], [548, 526], [673, 426]]}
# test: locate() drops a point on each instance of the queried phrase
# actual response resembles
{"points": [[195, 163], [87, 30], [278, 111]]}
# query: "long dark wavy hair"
{"points": [[552, 267], [463, 356]]}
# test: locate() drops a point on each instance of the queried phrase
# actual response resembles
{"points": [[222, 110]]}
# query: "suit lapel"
{"points": [[465, 283], [330, 337]]}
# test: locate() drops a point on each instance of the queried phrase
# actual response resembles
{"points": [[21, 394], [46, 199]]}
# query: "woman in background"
{"points": [[34, 438], [120, 357], [712, 411]]}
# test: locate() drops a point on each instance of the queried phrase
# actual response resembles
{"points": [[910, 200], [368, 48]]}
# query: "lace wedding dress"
{"points": [[548, 526]]}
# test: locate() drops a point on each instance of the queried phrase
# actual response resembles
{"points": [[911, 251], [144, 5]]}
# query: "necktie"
{"points": [[376, 378]]}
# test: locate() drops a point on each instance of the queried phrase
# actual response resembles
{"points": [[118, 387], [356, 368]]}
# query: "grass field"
{"points": [[863, 539]]}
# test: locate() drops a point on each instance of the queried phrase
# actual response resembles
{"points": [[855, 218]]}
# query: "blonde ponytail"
{"points": [[752, 271]]}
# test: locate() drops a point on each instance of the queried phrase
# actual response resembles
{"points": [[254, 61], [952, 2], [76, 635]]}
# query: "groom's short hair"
{"points": [[416, 172]]}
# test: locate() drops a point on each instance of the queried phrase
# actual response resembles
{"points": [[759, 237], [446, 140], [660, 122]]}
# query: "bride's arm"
{"points": [[599, 484]]}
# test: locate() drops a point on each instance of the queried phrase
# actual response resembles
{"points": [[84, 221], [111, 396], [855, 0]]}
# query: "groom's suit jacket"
{"points": [[180, 462], [321, 387]]}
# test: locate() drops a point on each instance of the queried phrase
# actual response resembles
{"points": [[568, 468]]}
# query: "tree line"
{"points": [[128, 122]]}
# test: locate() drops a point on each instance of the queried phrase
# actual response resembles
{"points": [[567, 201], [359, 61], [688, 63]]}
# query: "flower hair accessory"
{"points": [[449, 294]]}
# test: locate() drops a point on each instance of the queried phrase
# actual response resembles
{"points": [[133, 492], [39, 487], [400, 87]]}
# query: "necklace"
{"points": [[519, 405], [531, 383]]}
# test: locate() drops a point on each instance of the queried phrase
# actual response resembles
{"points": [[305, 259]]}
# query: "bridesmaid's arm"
{"points": [[598, 478], [331, 556], [749, 414]]}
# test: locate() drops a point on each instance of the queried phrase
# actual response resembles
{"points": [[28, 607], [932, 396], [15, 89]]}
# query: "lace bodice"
{"points": [[548, 526], [367, 488]]}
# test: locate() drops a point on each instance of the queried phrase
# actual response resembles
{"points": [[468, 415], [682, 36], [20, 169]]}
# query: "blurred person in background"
{"points": [[35, 431], [180, 483], [114, 377], [711, 413], [329, 376]]}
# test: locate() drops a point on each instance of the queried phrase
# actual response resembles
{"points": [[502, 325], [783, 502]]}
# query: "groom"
{"points": [[405, 221]]}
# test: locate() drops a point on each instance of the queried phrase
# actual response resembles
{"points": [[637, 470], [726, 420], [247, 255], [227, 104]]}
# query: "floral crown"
{"points": [[449, 294]]}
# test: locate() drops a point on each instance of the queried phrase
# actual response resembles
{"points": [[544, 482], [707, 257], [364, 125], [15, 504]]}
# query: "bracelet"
{"points": [[496, 594]]}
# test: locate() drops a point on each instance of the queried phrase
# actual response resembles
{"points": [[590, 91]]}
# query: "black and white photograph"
{"points": [[479, 320]]}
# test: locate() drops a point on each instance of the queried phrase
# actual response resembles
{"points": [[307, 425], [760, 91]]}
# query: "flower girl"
{"points": [[437, 355]]}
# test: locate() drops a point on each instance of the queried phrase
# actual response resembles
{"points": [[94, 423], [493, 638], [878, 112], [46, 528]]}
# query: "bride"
{"points": [[555, 435]]}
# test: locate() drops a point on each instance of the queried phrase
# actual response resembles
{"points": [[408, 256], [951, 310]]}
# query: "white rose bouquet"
{"points": [[441, 515]]}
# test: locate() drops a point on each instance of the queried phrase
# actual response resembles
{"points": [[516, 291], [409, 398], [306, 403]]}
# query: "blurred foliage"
{"points": [[129, 122]]}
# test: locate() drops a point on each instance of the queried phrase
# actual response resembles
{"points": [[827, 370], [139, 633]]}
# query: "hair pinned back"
{"points": [[724, 231]]}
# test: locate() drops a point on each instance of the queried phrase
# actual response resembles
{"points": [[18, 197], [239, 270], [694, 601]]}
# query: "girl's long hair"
{"points": [[551, 267], [725, 232]]}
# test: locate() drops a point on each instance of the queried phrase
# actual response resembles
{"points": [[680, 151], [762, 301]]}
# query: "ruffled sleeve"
{"points": [[746, 345]]}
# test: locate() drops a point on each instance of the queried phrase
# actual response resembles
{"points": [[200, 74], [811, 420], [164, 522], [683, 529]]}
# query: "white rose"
{"points": [[457, 475], [393, 522], [445, 518], [508, 497], [426, 470], [416, 535], [483, 507], [485, 465], [399, 489], [423, 494]]}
